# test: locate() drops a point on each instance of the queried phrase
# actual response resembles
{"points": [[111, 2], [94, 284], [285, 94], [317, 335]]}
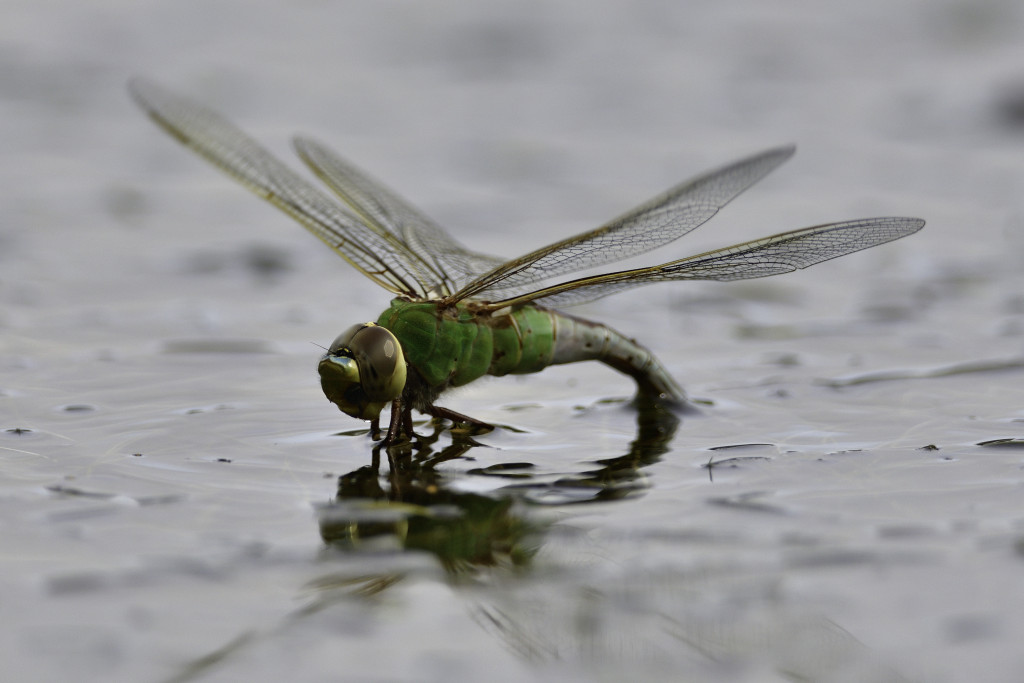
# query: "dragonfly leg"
{"points": [[401, 422], [447, 414], [407, 419], [395, 425]]}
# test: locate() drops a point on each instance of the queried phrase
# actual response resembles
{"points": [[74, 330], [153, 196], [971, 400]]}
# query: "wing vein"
{"points": [[377, 254]]}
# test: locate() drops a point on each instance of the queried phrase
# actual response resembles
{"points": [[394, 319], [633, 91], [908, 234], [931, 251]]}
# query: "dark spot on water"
{"points": [[783, 359], [733, 462], [741, 445], [748, 502], [71, 491], [266, 261], [78, 408], [902, 531], [1003, 443], [972, 627], [1009, 105], [76, 583], [127, 204], [929, 447], [889, 313], [522, 406], [223, 459]]}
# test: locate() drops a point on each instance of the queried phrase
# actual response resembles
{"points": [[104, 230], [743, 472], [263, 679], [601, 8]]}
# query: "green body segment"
{"points": [[455, 347]]}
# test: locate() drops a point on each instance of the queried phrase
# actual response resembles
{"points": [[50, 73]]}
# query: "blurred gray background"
{"points": [[161, 427]]}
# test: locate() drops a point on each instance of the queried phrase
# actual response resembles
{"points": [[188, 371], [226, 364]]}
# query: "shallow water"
{"points": [[179, 502]]}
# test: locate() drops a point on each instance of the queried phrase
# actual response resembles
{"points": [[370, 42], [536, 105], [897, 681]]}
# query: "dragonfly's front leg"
{"points": [[401, 422], [395, 425]]}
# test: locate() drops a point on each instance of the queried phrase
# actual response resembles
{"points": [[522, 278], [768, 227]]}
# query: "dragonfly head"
{"points": [[363, 370]]}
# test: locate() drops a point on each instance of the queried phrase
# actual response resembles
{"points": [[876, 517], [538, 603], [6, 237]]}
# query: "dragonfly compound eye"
{"points": [[363, 369]]}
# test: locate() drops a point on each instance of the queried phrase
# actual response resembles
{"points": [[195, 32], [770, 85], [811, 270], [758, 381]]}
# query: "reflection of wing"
{"points": [[377, 253], [379, 206], [659, 221], [782, 253]]}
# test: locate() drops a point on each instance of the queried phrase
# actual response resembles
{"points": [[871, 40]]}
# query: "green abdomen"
{"points": [[452, 348]]}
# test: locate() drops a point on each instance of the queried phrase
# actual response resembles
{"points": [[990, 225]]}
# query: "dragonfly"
{"points": [[458, 315]]}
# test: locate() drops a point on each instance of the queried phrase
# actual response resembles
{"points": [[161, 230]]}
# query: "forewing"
{"points": [[379, 255], [655, 223], [376, 204], [782, 253]]}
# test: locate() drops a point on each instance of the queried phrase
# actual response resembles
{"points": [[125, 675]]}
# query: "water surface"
{"points": [[179, 502]]}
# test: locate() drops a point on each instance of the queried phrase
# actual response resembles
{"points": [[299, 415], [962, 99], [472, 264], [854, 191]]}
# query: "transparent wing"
{"points": [[378, 205], [378, 254], [655, 223], [782, 253]]}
